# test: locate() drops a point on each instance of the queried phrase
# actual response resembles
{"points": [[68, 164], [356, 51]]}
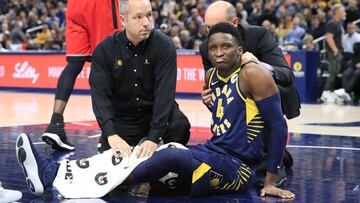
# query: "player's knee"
{"points": [[174, 157]]}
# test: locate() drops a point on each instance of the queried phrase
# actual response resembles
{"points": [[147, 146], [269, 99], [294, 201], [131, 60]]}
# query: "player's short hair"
{"points": [[226, 28]]}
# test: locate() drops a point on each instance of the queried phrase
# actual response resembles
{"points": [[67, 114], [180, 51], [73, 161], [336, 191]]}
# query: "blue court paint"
{"points": [[326, 168]]}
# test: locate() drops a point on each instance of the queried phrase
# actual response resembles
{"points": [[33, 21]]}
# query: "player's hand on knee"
{"points": [[119, 147], [147, 148], [277, 192], [206, 97]]}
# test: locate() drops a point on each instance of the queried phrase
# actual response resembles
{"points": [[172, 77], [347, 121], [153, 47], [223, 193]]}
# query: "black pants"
{"points": [[351, 80], [132, 130]]}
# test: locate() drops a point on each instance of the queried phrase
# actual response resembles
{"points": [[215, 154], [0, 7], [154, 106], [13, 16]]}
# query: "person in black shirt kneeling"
{"points": [[133, 80]]}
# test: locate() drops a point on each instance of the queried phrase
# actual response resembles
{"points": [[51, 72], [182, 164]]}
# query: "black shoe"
{"points": [[55, 134], [288, 160]]}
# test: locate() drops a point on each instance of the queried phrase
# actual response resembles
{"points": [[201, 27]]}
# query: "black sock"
{"points": [[57, 118]]}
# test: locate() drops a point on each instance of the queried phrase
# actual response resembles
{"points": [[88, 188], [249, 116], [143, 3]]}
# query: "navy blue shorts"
{"points": [[217, 173]]}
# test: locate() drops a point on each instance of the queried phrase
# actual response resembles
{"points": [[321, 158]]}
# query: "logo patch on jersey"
{"points": [[115, 161], [170, 180], [83, 163], [101, 178], [234, 78], [214, 82], [118, 63], [147, 61], [215, 179]]}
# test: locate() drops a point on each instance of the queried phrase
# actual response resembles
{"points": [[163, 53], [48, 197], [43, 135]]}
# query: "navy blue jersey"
{"points": [[236, 124]]}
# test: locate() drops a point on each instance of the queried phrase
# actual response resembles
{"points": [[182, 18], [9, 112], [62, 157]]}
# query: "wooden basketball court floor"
{"points": [[324, 142]]}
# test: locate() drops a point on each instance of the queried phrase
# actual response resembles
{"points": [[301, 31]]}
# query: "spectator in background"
{"points": [[281, 32], [257, 10], [27, 44], [175, 31], [186, 41], [195, 17], [167, 7], [334, 33], [295, 35], [177, 43], [314, 29], [41, 37], [201, 34], [350, 38], [60, 13], [308, 43], [5, 40], [351, 76], [17, 35], [157, 19], [192, 27], [268, 14], [266, 24], [164, 28], [352, 11], [241, 13], [197, 44]]}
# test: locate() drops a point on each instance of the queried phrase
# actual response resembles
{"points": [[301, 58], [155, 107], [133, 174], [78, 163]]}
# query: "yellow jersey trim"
{"points": [[200, 171], [228, 77]]}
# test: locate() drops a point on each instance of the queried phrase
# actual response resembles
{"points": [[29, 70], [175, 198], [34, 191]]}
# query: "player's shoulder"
{"points": [[253, 71]]}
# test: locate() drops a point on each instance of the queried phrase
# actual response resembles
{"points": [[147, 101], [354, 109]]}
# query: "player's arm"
{"points": [[257, 84]]}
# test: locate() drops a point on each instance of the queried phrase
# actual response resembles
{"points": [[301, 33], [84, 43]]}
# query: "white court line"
{"points": [[83, 124], [94, 136], [322, 147], [39, 143]]}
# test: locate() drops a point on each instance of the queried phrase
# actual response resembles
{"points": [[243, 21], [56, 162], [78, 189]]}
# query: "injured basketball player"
{"points": [[247, 108]]}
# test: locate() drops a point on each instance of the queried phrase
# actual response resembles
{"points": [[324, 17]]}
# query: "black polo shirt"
{"points": [[129, 82]]}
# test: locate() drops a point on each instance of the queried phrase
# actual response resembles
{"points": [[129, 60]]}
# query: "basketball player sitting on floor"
{"points": [[247, 108]]}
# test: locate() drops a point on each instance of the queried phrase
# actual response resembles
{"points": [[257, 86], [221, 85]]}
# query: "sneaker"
{"points": [[343, 95], [56, 137], [328, 97], [33, 165], [9, 195]]}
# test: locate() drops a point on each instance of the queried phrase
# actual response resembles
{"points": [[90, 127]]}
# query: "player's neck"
{"points": [[224, 73]]}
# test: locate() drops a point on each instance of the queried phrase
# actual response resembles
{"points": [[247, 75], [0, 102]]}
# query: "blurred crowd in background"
{"points": [[40, 24], [295, 24]]}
